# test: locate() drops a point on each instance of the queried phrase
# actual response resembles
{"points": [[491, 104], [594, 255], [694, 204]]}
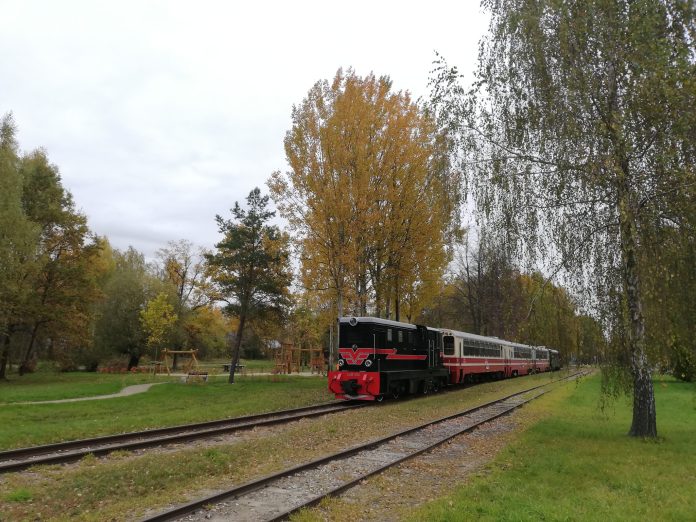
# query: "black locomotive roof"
{"points": [[387, 322]]}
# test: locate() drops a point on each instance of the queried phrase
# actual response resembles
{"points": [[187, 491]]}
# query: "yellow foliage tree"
{"points": [[367, 196], [158, 319]]}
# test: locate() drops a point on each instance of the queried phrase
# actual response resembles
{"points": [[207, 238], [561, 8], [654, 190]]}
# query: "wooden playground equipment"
{"points": [[190, 366], [290, 359]]}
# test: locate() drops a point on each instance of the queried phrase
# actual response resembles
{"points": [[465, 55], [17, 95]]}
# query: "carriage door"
{"points": [[506, 359]]}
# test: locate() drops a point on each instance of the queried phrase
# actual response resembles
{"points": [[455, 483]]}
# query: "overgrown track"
{"points": [[279, 495], [22, 458]]}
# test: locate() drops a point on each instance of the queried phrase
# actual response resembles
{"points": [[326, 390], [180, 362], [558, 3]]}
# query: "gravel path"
{"points": [[128, 390]]}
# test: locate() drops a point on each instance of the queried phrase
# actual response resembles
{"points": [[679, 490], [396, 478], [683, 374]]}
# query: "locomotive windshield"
{"points": [[359, 336]]}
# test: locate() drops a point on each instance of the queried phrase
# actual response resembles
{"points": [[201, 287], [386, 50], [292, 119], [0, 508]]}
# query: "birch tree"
{"points": [[578, 136]]}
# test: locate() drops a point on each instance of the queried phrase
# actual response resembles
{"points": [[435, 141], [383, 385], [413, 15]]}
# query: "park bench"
{"points": [[197, 376], [238, 368]]}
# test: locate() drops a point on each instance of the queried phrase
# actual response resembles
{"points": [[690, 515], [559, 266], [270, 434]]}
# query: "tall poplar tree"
{"points": [[250, 266], [368, 194], [579, 136]]}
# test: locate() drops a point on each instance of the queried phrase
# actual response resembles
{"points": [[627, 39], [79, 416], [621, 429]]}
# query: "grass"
{"points": [[123, 486], [46, 385], [19, 495], [578, 464], [163, 405]]}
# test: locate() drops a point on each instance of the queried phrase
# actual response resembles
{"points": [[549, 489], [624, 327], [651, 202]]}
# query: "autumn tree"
{"points": [[250, 266], [48, 285], [578, 137], [63, 288], [183, 267], [158, 319], [127, 289], [368, 195], [18, 237]]}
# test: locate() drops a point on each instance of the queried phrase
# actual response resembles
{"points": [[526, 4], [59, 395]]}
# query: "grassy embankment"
{"points": [[166, 404], [121, 486], [576, 463]]}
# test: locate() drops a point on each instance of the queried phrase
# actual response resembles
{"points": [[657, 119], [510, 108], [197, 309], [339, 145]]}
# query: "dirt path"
{"points": [[128, 390]]}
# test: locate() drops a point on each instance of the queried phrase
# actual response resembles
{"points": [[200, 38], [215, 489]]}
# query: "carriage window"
{"points": [[471, 350], [448, 341]]}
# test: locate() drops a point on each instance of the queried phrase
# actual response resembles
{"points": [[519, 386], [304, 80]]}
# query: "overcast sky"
{"points": [[160, 115]]}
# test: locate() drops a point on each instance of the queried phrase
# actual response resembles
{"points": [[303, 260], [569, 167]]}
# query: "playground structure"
{"points": [[291, 359], [166, 359]]}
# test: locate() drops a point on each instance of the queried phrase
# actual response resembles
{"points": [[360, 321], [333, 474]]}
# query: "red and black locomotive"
{"points": [[379, 358]]}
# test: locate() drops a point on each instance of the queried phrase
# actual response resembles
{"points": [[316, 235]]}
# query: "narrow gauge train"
{"points": [[379, 357]]}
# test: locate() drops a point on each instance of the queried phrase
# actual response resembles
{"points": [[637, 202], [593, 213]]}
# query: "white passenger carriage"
{"points": [[470, 356]]}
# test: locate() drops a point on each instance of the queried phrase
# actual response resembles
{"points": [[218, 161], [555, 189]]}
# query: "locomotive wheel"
{"points": [[395, 392], [379, 398], [425, 388]]}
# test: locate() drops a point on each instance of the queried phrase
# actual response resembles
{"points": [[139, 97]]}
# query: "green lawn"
{"points": [[163, 405], [48, 385], [578, 464]]}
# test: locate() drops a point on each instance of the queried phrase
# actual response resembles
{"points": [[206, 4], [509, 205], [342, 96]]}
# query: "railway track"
{"points": [[279, 495], [70, 451]]}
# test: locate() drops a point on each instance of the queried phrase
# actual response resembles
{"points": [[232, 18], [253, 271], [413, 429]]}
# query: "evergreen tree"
{"points": [[250, 266]]}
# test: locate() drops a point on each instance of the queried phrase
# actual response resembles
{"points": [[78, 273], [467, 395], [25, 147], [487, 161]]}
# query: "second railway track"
{"points": [[279, 495], [70, 451]]}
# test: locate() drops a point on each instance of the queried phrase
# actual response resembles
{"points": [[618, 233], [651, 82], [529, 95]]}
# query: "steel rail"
{"points": [[69, 451], [254, 485]]}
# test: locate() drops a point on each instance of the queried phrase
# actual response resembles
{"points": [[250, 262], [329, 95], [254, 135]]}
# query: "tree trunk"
{"points": [[397, 310], [133, 361], [4, 357], [339, 308], [24, 363], [644, 422], [237, 348]]}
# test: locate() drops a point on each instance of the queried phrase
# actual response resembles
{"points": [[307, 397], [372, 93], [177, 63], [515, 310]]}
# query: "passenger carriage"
{"points": [[468, 356], [554, 360], [541, 359], [521, 359]]}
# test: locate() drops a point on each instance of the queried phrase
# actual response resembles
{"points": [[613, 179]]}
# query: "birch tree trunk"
{"points": [[644, 422]]}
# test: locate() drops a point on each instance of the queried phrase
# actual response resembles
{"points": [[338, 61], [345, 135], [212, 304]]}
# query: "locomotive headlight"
{"points": [[352, 321], [368, 363], [341, 362]]}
